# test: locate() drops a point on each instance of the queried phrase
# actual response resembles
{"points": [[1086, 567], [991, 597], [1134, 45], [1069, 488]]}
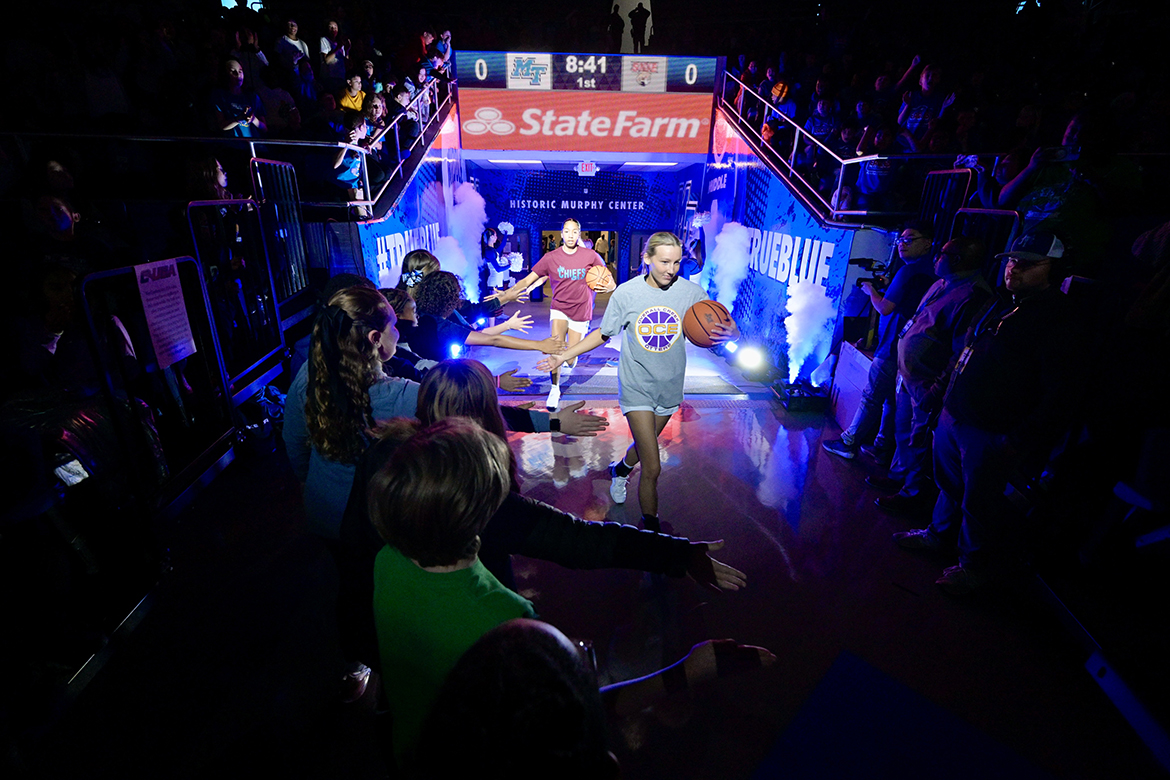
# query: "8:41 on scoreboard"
{"points": [[587, 71]]}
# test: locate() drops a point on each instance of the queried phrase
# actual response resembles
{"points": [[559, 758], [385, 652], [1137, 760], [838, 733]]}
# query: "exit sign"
{"points": [[586, 168]]}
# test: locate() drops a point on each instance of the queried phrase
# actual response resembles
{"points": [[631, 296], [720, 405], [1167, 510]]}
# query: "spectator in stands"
{"points": [[290, 49], [782, 102], [879, 182], [1060, 190], [279, 107], [442, 46], [352, 98], [928, 349], [1010, 395], [884, 96], [764, 87], [238, 112], [638, 18], [1004, 170], [865, 113], [306, 90], [440, 336], [823, 90], [369, 76], [347, 165], [874, 417], [409, 128], [248, 54], [415, 50], [928, 102], [334, 51]]}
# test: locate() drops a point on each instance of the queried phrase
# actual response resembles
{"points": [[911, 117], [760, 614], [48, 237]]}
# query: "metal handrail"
{"points": [[432, 86]]}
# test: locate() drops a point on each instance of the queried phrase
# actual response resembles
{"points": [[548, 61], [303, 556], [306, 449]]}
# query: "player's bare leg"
{"points": [[645, 426]]}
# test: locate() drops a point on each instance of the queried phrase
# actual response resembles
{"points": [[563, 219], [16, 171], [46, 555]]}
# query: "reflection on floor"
{"points": [[878, 673]]}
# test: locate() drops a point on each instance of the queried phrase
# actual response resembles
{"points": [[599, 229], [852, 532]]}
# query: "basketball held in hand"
{"points": [[598, 278], [700, 320]]}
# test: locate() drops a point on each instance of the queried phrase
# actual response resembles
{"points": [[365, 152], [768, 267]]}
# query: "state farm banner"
{"points": [[521, 120]]}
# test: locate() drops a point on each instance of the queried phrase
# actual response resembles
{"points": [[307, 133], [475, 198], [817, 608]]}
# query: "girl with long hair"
{"points": [[334, 401]]}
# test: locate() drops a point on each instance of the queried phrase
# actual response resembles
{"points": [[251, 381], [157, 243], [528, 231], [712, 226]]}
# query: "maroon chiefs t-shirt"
{"points": [[571, 296]]}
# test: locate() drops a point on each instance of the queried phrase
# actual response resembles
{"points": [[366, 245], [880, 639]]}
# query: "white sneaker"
{"points": [[554, 398], [617, 485]]}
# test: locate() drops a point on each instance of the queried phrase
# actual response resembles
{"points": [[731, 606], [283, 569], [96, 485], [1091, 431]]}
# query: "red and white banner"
{"points": [[577, 121]]}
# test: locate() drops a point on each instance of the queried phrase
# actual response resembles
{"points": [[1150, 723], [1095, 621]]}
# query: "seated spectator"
{"points": [[279, 107], [306, 90], [439, 337], [1059, 191], [781, 101], [290, 49], [334, 62], [1004, 169], [369, 79], [883, 97], [880, 181], [432, 596], [866, 113], [922, 105], [823, 90], [352, 97], [238, 112], [247, 53]]}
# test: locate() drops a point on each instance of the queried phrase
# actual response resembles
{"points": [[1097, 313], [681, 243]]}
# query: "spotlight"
{"points": [[749, 358], [455, 350], [481, 321], [731, 347]]}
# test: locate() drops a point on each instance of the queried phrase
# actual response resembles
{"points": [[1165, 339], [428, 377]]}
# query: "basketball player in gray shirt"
{"points": [[649, 309]]}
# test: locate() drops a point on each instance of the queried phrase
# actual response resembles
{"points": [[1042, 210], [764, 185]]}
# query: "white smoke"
{"points": [[458, 252], [809, 313], [729, 262]]}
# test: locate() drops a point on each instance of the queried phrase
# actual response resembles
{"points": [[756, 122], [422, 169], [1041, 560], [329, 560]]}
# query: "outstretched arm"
{"points": [[514, 293], [590, 342], [548, 346]]}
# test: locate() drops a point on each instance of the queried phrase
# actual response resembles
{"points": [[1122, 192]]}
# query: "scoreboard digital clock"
{"points": [[598, 72], [534, 101]]}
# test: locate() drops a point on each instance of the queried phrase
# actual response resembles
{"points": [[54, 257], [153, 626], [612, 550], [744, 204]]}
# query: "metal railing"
{"points": [[275, 185], [437, 109], [230, 248], [789, 164]]}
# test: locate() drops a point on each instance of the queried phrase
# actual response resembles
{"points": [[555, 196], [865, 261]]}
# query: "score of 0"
{"points": [[591, 65]]}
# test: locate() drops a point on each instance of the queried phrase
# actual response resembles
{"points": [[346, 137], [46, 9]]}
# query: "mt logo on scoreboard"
{"points": [[529, 71]]}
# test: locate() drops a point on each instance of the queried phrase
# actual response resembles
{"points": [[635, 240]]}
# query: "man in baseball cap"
{"points": [[1010, 396]]}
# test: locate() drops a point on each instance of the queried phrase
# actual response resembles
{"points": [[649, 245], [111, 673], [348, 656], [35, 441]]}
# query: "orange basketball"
{"points": [[598, 277], [700, 321]]}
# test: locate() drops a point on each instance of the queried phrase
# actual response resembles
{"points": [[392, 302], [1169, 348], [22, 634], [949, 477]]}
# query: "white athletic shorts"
{"points": [[579, 327]]}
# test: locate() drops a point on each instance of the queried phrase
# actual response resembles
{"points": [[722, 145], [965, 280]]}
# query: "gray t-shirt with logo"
{"points": [[654, 357]]}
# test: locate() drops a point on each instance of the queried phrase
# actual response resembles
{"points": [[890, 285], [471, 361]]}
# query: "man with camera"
{"points": [[895, 304]]}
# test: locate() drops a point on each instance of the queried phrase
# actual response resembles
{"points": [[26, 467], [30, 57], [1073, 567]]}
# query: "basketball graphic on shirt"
{"points": [[657, 328]]}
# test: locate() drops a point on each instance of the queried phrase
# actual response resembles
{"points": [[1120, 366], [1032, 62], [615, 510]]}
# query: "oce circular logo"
{"points": [[488, 120], [658, 328]]}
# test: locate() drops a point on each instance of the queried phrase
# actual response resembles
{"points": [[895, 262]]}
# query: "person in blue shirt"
{"points": [[874, 417]]}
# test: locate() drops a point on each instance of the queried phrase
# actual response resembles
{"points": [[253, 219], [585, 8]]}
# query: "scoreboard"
{"points": [[541, 101], [595, 72]]}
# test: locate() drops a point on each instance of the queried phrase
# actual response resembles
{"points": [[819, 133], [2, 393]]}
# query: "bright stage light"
{"points": [[731, 347], [749, 358], [455, 350]]}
